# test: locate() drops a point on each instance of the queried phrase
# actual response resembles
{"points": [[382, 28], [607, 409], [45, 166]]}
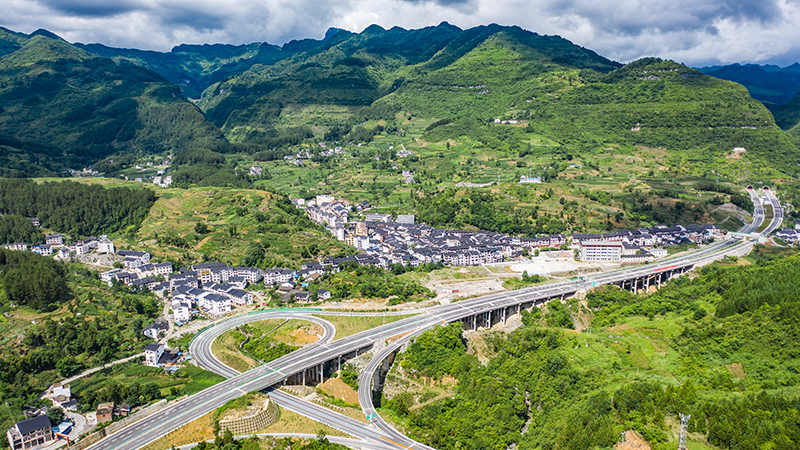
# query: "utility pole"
{"points": [[684, 424]]}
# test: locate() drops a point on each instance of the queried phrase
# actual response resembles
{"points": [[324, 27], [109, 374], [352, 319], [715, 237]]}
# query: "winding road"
{"points": [[758, 213], [777, 212]]}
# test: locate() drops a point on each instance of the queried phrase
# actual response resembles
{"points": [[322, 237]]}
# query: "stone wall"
{"points": [[254, 422]]}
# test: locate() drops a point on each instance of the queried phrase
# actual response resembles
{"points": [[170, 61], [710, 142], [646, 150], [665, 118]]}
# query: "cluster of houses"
{"points": [[36, 430], [212, 288], [297, 159], [157, 355], [30, 433], [330, 151], [386, 241], [54, 243], [159, 179], [641, 245], [789, 235]]}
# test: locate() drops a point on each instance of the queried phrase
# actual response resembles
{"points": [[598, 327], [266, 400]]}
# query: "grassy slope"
{"points": [[177, 211]]}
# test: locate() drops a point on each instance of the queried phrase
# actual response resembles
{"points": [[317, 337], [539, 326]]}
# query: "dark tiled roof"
{"points": [[36, 423]]}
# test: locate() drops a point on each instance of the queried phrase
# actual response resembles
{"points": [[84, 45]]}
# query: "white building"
{"points": [[219, 305], [152, 353], [30, 433], [106, 246], [43, 249], [600, 251], [181, 312], [405, 219]]}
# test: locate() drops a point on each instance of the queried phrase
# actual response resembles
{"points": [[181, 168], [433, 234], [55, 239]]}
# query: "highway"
{"points": [[150, 428], [777, 212], [758, 213], [365, 396], [200, 347]]}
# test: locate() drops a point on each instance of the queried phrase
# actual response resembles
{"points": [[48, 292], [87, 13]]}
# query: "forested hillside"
{"points": [[74, 208], [63, 107], [721, 347], [92, 101], [770, 84]]}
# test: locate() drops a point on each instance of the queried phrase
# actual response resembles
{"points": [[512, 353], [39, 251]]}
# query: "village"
{"points": [[386, 240]]}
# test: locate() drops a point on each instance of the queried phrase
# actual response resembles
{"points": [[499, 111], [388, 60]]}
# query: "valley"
{"points": [[486, 238]]}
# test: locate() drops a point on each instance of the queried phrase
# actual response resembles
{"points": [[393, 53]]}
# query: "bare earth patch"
{"points": [[633, 441], [336, 388], [737, 371], [307, 335]]}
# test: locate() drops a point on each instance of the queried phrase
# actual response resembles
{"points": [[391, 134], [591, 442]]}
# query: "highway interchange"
{"points": [[378, 433]]}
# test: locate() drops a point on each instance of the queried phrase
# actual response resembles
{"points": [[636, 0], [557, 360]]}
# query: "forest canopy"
{"points": [[75, 208]]}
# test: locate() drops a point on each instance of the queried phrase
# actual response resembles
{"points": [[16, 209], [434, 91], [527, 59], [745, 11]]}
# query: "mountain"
{"points": [[194, 67], [61, 106], [770, 84], [434, 71], [788, 116], [79, 103]]}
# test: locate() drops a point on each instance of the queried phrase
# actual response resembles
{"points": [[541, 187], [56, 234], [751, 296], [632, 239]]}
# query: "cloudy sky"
{"points": [[696, 32]]}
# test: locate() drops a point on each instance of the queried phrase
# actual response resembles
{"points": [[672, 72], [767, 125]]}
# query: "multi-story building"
{"points": [[54, 239], [30, 433], [600, 251]]}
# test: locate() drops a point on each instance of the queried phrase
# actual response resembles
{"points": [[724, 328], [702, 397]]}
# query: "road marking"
{"points": [[396, 443]]}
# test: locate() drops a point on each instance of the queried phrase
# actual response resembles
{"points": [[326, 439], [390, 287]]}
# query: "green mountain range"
{"points": [[77, 104], [770, 84]]}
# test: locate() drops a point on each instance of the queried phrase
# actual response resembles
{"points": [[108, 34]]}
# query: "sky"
{"points": [[694, 32]]}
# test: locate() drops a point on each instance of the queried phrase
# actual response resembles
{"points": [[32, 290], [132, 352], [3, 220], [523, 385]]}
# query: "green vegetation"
{"points": [[137, 384], [616, 146], [32, 280], [348, 326], [242, 227], [86, 325], [524, 281], [226, 442], [75, 208], [14, 228], [355, 280], [63, 107], [718, 347], [441, 351]]}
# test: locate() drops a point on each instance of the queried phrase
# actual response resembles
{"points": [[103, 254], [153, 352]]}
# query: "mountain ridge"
{"points": [[264, 97]]}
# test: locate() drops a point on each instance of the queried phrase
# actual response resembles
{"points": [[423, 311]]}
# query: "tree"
{"points": [[201, 228], [56, 415]]}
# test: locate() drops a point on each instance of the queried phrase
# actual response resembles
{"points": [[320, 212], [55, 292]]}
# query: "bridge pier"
{"points": [[635, 285]]}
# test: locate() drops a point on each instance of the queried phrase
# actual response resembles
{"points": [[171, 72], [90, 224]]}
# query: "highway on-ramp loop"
{"points": [[160, 423]]}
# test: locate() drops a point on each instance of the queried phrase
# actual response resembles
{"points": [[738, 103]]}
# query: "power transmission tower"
{"points": [[684, 424]]}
